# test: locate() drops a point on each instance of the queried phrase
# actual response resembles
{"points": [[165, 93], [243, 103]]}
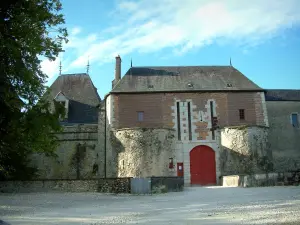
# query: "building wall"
{"points": [[138, 152], [160, 111], [284, 138], [244, 150], [158, 108], [79, 155]]}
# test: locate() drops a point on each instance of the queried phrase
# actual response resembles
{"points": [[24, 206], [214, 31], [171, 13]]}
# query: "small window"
{"points": [[242, 114], [178, 121], [140, 116], [295, 120]]}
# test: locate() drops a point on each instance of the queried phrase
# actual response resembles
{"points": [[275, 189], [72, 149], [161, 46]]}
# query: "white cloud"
{"points": [[184, 25], [50, 68], [75, 31]]}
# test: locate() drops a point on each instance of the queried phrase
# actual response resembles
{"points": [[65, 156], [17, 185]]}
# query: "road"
{"points": [[197, 205]]}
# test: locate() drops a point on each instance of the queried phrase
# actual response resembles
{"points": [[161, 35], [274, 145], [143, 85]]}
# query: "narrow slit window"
{"points": [[212, 117], [242, 114], [178, 122], [140, 116], [295, 120], [189, 121]]}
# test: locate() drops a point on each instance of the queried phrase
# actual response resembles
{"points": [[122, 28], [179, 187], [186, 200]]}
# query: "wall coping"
{"points": [[240, 127], [143, 129], [45, 180]]}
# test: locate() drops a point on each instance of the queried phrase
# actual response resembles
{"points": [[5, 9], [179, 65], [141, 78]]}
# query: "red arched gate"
{"points": [[203, 165]]}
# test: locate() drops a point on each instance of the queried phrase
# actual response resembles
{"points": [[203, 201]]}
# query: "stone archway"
{"points": [[203, 165]]}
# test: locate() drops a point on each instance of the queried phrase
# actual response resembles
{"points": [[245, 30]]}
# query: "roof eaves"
{"points": [[184, 91]]}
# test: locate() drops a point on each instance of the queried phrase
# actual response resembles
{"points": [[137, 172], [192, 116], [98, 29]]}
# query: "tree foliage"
{"points": [[30, 29]]}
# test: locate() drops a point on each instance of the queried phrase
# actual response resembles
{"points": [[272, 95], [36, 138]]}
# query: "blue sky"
{"points": [[261, 37]]}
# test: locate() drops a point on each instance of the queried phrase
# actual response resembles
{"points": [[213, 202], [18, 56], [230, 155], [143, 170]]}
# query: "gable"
{"points": [[60, 97]]}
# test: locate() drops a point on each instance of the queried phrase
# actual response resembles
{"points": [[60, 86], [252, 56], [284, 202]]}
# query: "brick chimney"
{"points": [[117, 70]]}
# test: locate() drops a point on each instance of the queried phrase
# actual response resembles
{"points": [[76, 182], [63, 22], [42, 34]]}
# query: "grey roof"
{"points": [[82, 94], [184, 78], [282, 95]]}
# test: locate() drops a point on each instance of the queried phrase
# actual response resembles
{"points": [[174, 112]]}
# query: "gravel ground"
{"points": [[197, 205]]}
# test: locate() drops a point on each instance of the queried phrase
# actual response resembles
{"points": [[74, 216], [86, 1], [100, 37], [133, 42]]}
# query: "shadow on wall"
{"points": [[233, 162], [245, 150], [78, 158], [78, 155], [82, 113]]}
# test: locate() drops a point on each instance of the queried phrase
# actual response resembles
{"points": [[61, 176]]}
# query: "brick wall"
{"points": [[244, 101], [158, 111]]}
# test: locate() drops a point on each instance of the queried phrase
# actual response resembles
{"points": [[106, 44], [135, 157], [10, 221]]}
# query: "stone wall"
{"points": [[79, 155], [244, 150], [284, 138], [168, 184], [118, 185], [259, 180], [140, 152]]}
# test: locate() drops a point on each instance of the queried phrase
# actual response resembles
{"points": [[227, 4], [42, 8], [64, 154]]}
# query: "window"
{"points": [[178, 121], [140, 116], [242, 114], [190, 121], [212, 117], [295, 120], [171, 163]]}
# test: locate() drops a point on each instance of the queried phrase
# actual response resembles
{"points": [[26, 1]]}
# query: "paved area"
{"points": [[198, 205]]}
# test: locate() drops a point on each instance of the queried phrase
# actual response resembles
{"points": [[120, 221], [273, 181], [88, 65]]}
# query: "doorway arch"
{"points": [[203, 165]]}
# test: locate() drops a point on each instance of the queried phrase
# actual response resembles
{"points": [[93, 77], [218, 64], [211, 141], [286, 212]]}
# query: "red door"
{"points": [[203, 165], [180, 169]]}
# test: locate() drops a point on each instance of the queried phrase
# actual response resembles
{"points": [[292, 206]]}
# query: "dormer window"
{"points": [[61, 98]]}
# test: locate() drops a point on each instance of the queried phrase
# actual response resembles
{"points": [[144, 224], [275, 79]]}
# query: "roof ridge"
{"points": [[70, 74], [182, 66]]}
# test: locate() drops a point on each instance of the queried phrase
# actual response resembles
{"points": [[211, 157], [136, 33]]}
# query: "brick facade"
{"points": [[159, 111]]}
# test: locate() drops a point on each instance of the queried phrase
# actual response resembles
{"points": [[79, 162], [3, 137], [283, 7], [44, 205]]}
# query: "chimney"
{"points": [[118, 69]]}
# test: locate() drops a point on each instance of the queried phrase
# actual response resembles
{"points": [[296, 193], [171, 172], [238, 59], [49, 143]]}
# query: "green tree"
{"points": [[30, 29]]}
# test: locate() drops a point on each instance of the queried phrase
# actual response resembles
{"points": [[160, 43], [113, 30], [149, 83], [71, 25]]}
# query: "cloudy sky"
{"points": [[262, 37]]}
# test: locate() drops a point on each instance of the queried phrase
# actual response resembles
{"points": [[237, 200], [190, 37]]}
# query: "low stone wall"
{"points": [[259, 180], [114, 185], [167, 183], [111, 185]]}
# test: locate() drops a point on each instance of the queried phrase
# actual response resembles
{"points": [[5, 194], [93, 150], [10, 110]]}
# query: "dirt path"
{"points": [[216, 205]]}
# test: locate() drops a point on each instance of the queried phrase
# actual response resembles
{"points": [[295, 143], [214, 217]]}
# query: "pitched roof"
{"points": [[282, 95], [184, 78], [77, 87], [82, 95]]}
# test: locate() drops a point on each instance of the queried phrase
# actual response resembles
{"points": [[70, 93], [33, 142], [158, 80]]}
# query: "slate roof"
{"points": [[184, 78], [82, 94], [282, 95]]}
